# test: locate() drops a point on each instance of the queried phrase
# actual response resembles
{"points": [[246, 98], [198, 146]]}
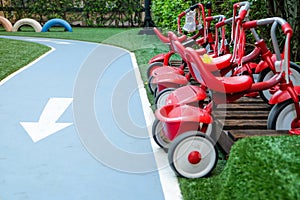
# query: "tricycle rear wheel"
{"points": [[161, 97], [158, 135], [152, 67], [282, 115], [267, 74]]}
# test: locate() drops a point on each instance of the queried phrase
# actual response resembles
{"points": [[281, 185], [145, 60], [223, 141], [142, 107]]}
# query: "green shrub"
{"points": [[165, 12]]}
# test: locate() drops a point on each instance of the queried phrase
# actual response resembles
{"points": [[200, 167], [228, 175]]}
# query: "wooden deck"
{"points": [[244, 118]]}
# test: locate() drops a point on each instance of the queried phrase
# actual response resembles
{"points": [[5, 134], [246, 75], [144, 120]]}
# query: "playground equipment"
{"points": [[29, 22], [56, 22], [192, 151], [236, 64], [166, 83], [6, 24], [199, 30], [175, 76]]}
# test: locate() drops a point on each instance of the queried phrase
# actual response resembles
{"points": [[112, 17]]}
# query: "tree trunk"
{"points": [[290, 11]]}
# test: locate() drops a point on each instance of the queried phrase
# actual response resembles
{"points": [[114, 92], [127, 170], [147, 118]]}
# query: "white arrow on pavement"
{"points": [[47, 125]]}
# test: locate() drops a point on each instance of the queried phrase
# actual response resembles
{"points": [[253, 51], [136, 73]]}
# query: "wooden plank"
{"points": [[238, 134], [243, 106], [222, 138], [249, 100], [245, 124], [239, 114], [225, 142]]}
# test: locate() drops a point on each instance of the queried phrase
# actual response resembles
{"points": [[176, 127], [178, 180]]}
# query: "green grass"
{"points": [[16, 54], [258, 167], [84, 34]]}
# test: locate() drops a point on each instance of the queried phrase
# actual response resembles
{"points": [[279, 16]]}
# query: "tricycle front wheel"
{"points": [[192, 155]]}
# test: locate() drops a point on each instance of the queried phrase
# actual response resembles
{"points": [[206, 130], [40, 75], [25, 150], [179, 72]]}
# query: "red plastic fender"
{"points": [[283, 95], [166, 69], [181, 118], [247, 67], [158, 58], [189, 94], [261, 66]]}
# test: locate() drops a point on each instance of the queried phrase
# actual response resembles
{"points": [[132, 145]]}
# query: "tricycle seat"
{"points": [[219, 63], [233, 84], [199, 70]]}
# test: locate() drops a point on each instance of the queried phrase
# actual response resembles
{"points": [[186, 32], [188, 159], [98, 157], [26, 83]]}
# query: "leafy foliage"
{"points": [[165, 12], [89, 12]]}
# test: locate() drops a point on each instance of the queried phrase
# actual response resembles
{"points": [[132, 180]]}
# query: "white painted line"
{"points": [[26, 67], [168, 179], [48, 40]]}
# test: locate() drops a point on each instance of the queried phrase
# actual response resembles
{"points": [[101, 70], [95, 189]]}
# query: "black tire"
{"points": [[282, 115], [158, 136], [181, 148], [153, 66], [267, 74], [151, 86], [161, 97]]}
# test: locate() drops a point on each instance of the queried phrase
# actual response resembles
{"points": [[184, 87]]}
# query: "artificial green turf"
{"points": [[83, 34], [257, 168], [16, 54]]}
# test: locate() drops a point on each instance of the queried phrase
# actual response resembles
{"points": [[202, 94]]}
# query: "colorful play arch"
{"points": [[34, 24], [27, 21], [56, 22], [6, 24]]}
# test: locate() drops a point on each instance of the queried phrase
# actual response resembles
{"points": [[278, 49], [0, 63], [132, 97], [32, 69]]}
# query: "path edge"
{"points": [[168, 179]]}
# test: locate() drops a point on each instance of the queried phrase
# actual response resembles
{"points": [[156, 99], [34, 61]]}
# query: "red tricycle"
{"points": [[184, 128], [234, 64]]}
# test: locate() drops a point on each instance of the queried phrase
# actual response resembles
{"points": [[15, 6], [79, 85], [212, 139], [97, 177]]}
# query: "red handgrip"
{"points": [[250, 24], [163, 38], [182, 38], [209, 18], [286, 28], [236, 5], [243, 14], [220, 24], [181, 14]]}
